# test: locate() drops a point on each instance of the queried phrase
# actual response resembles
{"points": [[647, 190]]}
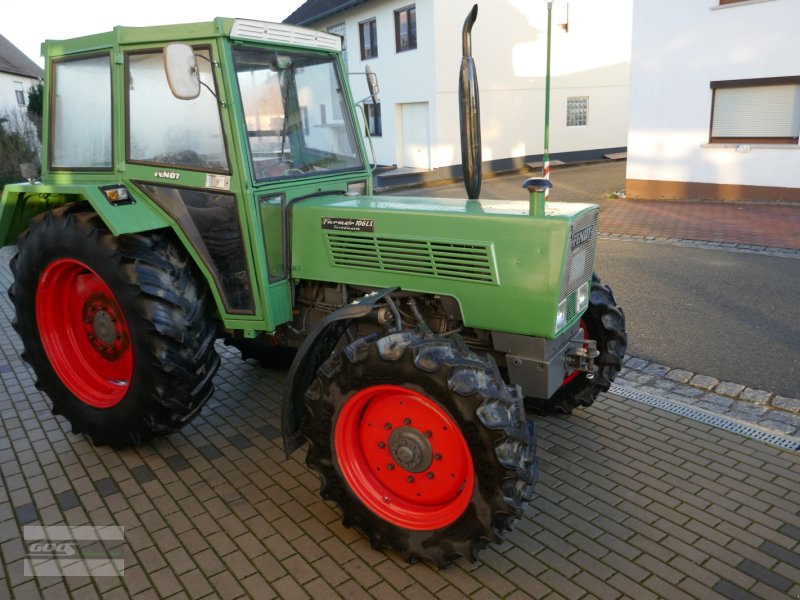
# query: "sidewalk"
{"points": [[764, 225]]}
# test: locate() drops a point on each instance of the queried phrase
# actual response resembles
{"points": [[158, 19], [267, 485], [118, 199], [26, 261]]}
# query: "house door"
{"points": [[415, 151]]}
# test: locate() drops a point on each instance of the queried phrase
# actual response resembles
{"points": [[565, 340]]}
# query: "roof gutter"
{"points": [[342, 7]]}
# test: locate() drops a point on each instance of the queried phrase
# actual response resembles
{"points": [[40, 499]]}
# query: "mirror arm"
{"points": [[369, 134], [213, 63], [210, 91]]}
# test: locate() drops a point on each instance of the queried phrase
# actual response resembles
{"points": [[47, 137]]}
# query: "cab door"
{"points": [[177, 154]]}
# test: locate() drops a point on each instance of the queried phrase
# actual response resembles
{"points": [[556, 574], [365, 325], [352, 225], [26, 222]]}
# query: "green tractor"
{"points": [[209, 181]]}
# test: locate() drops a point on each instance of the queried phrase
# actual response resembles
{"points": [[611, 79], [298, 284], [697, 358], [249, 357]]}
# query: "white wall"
{"points": [[8, 86], [509, 45], [509, 48], [404, 77], [679, 47]]}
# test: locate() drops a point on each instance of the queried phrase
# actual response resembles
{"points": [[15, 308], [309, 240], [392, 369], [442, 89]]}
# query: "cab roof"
{"points": [[243, 29]]}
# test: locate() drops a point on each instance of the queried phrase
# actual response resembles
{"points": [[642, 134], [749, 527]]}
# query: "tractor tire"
{"points": [[117, 329], [603, 322], [421, 444]]}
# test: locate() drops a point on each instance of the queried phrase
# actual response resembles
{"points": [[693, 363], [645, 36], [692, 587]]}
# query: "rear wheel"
{"points": [[603, 322], [116, 328], [421, 444]]}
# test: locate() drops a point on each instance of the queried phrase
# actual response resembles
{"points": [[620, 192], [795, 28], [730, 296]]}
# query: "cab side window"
{"points": [[81, 134], [166, 131]]}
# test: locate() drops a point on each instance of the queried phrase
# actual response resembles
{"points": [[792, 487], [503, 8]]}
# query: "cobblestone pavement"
{"points": [[761, 408], [633, 502]]}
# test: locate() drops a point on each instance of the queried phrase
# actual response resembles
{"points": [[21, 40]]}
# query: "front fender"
{"points": [[314, 351]]}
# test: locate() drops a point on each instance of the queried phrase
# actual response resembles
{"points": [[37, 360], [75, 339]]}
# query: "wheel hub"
{"points": [[410, 449], [104, 327]]}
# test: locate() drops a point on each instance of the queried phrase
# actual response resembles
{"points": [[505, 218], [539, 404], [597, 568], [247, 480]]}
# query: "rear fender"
{"points": [[314, 351], [21, 202]]}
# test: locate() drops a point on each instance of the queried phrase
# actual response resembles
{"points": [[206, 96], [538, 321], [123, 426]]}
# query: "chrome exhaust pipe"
{"points": [[470, 112]]}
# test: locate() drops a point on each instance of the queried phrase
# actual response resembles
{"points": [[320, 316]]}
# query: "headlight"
{"points": [[582, 301], [116, 194], [561, 316]]}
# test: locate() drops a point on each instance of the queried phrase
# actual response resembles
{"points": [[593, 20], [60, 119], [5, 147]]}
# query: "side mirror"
{"points": [[372, 84], [29, 171], [183, 76]]}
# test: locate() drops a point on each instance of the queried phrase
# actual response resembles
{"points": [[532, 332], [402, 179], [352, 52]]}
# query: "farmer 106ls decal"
{"points": [[208, 180]]}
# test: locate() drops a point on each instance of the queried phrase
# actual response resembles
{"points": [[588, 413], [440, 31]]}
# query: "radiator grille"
{"points": [[463, 261], [582, 246]]}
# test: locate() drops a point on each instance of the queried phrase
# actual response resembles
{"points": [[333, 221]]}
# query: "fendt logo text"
{"points": [[580, 237]]}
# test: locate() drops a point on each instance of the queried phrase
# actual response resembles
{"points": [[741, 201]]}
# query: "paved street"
{"points": [[724, 314], [633, 502]]}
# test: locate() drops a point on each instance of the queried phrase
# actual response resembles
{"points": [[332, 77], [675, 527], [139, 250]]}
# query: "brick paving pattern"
{"points": [[763, 225], [633, 502]]}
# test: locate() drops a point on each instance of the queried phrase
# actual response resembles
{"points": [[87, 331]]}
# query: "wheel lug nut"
{"points": [[388, 426], [428, 433], [390, 467], [430, 475], [381, 444], [410, 479], [406, 421], [437, 456]]}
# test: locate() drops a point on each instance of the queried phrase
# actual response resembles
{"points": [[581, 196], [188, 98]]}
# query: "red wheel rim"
{"points": [[404, 457], [84, 333], [574, 375]]}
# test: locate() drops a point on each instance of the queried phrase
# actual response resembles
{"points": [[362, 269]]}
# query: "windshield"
{"points": [[298, 123]]}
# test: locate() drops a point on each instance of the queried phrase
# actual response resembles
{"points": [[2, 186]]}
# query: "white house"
{"points": [[415, 49], [18, 74], [715, 100]]}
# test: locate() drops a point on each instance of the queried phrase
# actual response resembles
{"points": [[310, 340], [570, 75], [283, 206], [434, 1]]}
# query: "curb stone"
{"points": [[758, 407], [703, 244]]}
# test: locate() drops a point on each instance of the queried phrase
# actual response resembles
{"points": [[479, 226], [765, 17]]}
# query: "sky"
{"points": [[27, 23]]}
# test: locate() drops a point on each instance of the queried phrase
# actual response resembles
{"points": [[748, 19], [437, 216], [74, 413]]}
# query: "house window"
{"points": [[756, 111], [577, 111], [368, 32], [20, 92], [405, 28], [373, 114], [339, 29]]}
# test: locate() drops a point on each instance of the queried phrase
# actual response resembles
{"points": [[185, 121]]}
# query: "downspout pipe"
{"points": [[470, 112]]}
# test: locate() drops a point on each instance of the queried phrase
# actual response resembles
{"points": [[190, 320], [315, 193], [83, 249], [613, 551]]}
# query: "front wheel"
{"points": [[603, 322], [116, 328], [421, 444]]}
